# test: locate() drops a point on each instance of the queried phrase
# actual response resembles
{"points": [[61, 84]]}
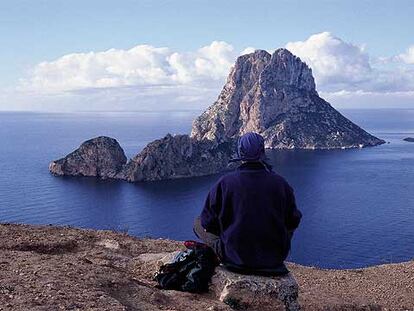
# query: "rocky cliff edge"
{"points": [[61, 268]]}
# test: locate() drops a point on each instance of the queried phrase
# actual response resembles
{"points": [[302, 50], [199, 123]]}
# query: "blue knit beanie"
{"points": [[250, 147]]}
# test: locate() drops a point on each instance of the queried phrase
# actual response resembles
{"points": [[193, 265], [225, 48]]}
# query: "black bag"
{"points": [[190, 271]]}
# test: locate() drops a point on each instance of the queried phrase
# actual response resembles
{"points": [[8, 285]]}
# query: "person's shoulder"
{"points": [[279, 178], [228, 177], [222, 180]]}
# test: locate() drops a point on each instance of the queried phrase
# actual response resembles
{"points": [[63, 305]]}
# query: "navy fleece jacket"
{"points": [[253, 211]]}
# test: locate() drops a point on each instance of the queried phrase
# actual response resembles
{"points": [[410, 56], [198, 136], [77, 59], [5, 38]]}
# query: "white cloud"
{"points": [[141, 65], [366, 100], [408, 56], [148, 77], [334, 62], [342, 66], [248, 50]]}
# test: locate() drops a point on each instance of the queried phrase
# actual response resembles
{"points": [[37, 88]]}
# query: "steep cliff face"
{"points": [[275, 95], [101, 156], [222, 119]]}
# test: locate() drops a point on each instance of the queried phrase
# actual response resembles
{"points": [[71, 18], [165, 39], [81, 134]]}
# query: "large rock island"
{"points": [[274, 95]]}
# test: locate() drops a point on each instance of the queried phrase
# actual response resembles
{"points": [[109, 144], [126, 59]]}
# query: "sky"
{"points": [[161, 55]]}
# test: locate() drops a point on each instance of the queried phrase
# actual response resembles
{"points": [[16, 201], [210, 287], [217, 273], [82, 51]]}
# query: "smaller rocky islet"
{"points": [[101, 157]]}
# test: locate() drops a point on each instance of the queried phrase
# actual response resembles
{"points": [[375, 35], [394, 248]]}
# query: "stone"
{"points": [[157, 258], [240, 291], [108, 243], [251, 292], [177, 156], [101, 157]]}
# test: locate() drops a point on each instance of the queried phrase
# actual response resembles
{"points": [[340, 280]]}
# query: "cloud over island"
{"points": [[159, 77], [142, 65]]}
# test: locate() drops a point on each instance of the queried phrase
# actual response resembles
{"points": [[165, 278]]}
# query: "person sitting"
{"points": [[250, 214]]}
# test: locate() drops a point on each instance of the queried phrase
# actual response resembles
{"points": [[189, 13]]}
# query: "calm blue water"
{"points": [[358, 205]]}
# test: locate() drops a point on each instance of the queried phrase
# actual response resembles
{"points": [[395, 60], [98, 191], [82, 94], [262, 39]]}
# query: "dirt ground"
{"points": [[61, 268]]}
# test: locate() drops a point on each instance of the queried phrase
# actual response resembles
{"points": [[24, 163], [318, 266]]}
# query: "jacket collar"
{"points": [[251, 166]]}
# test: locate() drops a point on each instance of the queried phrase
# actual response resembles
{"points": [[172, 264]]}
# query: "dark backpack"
{"points": [[190, 271]]}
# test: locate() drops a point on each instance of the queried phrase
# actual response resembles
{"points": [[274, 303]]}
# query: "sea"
{"points": [[357, 204]]}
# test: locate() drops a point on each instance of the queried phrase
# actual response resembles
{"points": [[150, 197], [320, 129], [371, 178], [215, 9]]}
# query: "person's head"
{"points": [[250, 147]]}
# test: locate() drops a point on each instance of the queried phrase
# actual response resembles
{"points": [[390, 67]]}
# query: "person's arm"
{"points": [[293, 215], [211, 210]]}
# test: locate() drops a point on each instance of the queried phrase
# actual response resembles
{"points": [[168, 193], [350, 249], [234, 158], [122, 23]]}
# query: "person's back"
{"points": [[253, 213]]}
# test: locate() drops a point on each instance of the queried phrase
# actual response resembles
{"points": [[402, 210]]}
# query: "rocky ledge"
{"points": [[271, 94], [61, 268]]}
